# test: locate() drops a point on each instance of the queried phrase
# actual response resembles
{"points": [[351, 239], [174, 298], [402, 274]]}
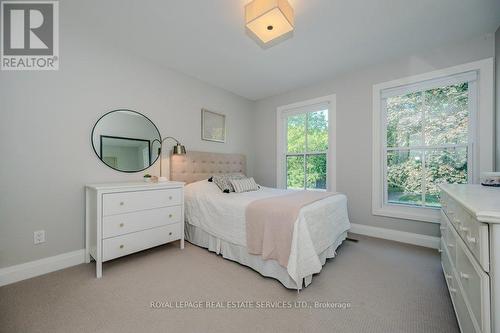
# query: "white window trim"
{"points": [[483, 152], [331, 177]]}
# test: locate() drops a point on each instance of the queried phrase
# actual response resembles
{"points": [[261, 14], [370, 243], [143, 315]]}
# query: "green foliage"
{"points": [[404, 176], [435, 117], [316, 140], [317, 131], [295, 172], [404, 120], [296, 134], [316, 171]]}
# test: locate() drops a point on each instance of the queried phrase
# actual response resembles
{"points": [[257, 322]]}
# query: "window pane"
{"points": [[296, 133], [316, 171], [404, 177], [404, 120], [447, 115], [444, 166], [295, 172], [317, 131]]}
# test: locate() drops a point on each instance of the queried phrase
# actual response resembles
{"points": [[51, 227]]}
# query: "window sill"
{"points": [[430, 215]]}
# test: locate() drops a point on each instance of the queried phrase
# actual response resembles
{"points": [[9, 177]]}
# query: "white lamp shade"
{"points": [[269, 19]]}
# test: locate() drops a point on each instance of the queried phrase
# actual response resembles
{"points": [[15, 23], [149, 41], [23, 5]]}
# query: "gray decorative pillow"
{"points": [[224, 181], [244, 185]]}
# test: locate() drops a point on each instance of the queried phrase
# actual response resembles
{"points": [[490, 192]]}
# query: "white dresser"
{"points": [[470, 254], [123, 218]]}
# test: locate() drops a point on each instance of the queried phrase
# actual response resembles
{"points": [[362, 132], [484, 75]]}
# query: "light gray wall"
{"points": [[354, 125], [45, 126], [47, 118], [497, 67]]}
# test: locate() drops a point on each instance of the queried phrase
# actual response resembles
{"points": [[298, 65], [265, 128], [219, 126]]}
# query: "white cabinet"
{"points": [[470, 239], [123, 218]]}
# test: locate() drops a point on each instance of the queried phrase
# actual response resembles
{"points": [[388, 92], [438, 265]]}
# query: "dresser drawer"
{"points": [[476, 286], [454, 212], [464, 318], [120, 203], [446, 263], [122, 245], [475, 236], [115, 225], [472, 232], [444, 199], [448, 237], [461, 310]]}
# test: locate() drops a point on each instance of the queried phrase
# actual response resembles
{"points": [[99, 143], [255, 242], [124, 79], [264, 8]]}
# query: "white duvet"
{"points": [[222, 215]]}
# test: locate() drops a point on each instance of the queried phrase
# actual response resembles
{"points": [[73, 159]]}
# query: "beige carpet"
{"points": [[390, 287]]}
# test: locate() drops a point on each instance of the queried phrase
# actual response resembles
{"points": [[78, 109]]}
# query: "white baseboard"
{"points": [[395, 235], [31, 269]]}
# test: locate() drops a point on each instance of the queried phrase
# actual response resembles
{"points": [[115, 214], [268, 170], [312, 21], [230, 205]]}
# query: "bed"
{"points": [[216, 220]]}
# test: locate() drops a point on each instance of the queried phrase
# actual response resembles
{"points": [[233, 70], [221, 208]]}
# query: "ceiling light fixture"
{"points": [[269, 19]]}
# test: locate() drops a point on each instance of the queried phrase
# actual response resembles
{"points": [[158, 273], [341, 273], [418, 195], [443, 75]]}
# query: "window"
{"points": [[304, 149], [307, 146], [428, 141], [425, 134]]}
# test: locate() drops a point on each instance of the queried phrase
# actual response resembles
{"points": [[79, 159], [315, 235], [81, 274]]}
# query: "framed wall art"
{"points": [[213, 126]]}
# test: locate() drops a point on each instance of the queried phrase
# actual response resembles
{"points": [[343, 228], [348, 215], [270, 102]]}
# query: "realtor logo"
{"points": [[30, 35]]}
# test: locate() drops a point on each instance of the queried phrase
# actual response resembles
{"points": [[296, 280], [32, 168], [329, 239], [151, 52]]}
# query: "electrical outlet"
{"points": [[39, 237]]}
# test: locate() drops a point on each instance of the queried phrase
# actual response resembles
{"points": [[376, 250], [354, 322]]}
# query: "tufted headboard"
{"points": [[197, 165]]}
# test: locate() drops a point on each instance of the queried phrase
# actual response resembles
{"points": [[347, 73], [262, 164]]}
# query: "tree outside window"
{"points": [[427, 143], [306, 152]]}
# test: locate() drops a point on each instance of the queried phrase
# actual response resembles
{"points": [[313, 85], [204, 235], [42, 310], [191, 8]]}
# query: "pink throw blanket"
{"points": [[270, 223]]}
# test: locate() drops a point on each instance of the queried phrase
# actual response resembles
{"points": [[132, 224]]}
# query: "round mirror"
{"points": [[126, 140]]}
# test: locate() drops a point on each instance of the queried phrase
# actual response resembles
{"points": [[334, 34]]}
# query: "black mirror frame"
{"points": [[97, 154]]}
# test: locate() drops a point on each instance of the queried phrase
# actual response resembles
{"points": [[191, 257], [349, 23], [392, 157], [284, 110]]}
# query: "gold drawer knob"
{"points": [[170, 215], [122, 246], [121, 225], [122, 203]]}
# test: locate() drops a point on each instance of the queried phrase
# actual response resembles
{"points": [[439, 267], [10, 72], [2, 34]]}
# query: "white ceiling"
{"points": [[206, 39]]}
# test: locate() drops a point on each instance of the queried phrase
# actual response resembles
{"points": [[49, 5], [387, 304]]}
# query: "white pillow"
{"points": [[244, 185], [202, 187]]}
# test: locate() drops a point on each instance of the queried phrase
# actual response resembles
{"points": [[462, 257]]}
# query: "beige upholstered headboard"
{"points": [[197, 165]]}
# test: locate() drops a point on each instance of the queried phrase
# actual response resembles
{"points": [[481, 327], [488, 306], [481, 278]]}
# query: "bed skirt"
{"points": [[238, 253]]}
